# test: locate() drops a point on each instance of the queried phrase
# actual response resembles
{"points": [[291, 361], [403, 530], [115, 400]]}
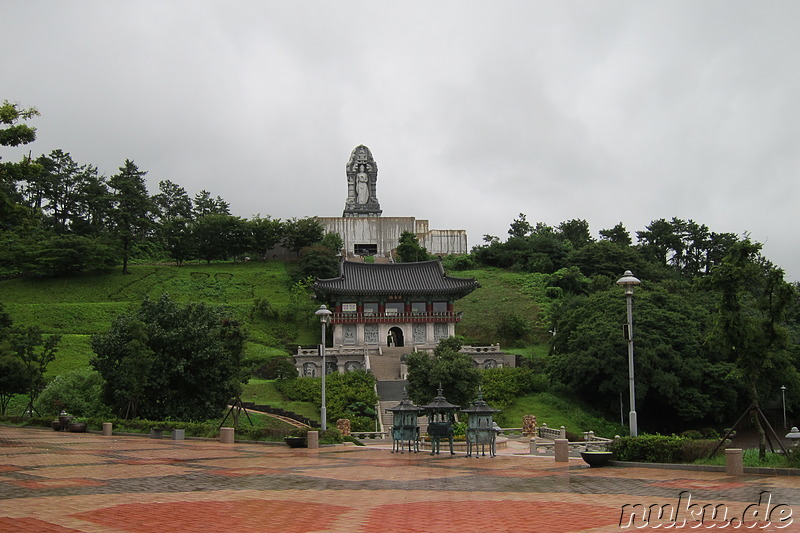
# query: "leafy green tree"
{"points": [[267, 233], [65, 187], [610, 259], [13, 380], [14, 133], [36, 352], [750, 323], [219, 236], [132, 206], [454, 371], [576, 232], [204, 205], [170, 360], [58, 255], [299, 233], [618, 235], [172, 202], [520, 227], [321, 260], [675, 371], [409, 250], [179, 239]]}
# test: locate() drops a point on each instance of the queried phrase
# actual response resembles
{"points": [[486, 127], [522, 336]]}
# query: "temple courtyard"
{"points": [[61, 482]]}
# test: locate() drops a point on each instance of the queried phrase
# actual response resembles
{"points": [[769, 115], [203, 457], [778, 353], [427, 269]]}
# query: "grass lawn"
{"points": [[750, 459], [263, 392]]}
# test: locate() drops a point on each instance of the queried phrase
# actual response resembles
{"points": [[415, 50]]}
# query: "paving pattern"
{"points": [[67, 482]]}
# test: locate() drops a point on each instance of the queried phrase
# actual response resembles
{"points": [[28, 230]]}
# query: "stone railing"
{"points": [[492, 348], [363, 435], [337, 350]]}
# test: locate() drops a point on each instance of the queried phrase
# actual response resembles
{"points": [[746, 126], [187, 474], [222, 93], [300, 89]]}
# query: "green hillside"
{"points": [[79, 306]]}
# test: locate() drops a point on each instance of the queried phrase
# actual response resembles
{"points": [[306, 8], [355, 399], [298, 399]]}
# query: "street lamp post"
{"points": [[324, 315], [628, 281], [783, 401]]}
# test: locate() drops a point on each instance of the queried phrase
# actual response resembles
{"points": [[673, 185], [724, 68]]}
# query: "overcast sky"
{"points": [[608, 111]]}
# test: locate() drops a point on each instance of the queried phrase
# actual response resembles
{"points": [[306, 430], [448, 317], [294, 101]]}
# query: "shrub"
{"points": [[513, 327], [661, 449], [501, 386], [279, 367], [77, 392]]}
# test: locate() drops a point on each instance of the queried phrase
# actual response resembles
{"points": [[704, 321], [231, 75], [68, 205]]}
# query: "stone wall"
{"points": [[384, 233]]}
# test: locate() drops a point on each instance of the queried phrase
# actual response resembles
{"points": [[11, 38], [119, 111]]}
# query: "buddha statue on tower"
{"points": [[362, 176]]}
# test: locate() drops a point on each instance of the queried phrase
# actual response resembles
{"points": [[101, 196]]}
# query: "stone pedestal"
{"points": [[734, 461], [178, 434], [562, 450], [312, 440], [107, 429], [226, 435]]}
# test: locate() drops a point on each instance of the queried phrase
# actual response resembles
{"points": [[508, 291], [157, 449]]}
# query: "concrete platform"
{"points": [[66, 482]]}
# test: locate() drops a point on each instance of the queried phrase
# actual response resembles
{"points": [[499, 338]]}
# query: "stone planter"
{"points": [[296, 442], [596, 459], [77, 427]]}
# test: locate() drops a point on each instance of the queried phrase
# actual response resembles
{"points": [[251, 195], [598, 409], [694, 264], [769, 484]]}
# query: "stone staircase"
{"points": [[386, 369]]}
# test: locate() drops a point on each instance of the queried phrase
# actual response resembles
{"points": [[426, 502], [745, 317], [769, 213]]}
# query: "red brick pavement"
{"points": [[60, 482]]}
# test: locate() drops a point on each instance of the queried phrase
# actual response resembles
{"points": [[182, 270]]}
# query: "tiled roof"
{"points": [[375, 279]]}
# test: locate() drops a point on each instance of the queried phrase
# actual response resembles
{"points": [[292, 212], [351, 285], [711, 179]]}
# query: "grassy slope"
{"points": [[501, 293]]}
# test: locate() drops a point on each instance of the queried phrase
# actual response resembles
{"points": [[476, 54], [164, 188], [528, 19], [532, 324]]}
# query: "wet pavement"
{"points": [[61, 482]]}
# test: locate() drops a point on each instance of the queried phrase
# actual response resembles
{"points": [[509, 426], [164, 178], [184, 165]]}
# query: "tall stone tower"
{"points": [[362, 175]]}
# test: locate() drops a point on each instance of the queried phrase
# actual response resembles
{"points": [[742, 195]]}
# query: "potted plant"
{"points": [[596, 458], [77, 425], [297, 438]]}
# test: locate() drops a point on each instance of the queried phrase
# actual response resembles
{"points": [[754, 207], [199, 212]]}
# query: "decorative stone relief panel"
{"points": [[350, 334], [439, 331], [420, 334], [371, 334]]}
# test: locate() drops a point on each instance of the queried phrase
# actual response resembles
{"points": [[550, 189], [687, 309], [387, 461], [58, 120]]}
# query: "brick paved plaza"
{"points": [[63, 482]]}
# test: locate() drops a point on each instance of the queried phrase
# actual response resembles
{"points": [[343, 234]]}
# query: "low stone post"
{"points": [[343, 425], [534, 447], [226, 435], [178, 434], [562, 432], [312, 440], [734, 462], [562, 450], [107, 429]]}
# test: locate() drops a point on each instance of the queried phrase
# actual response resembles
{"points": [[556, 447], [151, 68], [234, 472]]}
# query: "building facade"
{"points": [[393, 304]]}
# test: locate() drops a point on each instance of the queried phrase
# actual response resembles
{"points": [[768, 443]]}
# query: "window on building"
{"points": [[371, 308], [394, 308], [418, 308], [439, 307], [349, 308]]}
